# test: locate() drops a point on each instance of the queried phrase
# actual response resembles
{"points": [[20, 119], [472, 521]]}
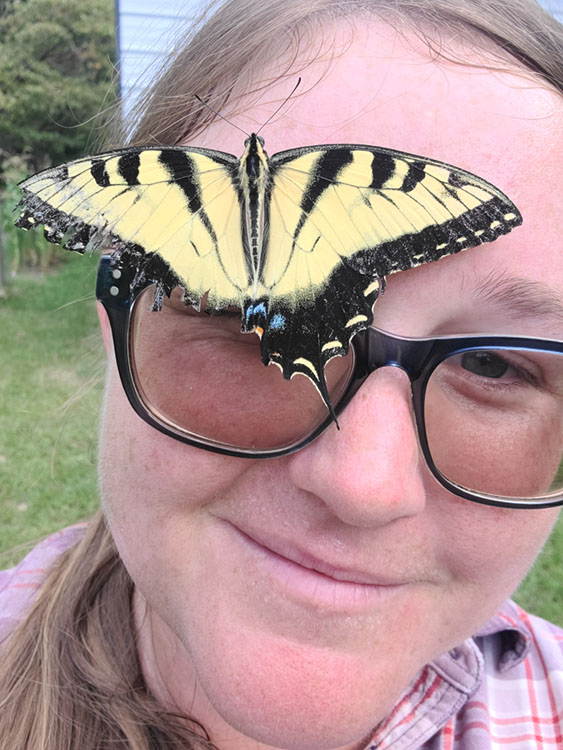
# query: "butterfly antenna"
{"points": [[218, 114], [285, 101]]}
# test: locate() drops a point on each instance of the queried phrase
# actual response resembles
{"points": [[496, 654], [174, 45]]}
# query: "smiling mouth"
{"points": [[310, 580]]}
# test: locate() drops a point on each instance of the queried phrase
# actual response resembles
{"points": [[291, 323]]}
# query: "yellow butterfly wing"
{"points": [[174, 205], [391, 209], [341, 218]]}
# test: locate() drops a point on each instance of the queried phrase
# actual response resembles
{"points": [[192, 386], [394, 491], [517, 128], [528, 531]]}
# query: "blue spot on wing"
{"points": [[277, 321], [259, 309]]}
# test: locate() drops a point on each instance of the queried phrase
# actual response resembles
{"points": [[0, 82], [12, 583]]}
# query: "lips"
{"points": [[314, 577], [294, 553]]}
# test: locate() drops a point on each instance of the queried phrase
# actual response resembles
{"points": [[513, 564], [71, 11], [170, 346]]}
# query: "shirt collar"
{"points": [[444, 685], [434, 696], [512, 633]]}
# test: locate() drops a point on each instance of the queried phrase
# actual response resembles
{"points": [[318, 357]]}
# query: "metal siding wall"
{"points": [[146, 31], [555, 7]]}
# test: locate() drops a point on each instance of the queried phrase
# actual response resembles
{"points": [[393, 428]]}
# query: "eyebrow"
{"points": [[522, 297]]}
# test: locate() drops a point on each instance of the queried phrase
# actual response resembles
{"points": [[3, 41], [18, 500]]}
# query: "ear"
{"points": [[106, 328]]}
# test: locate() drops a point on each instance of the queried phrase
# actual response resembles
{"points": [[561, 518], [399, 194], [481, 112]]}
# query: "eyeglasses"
{"points": [[488, 409]]}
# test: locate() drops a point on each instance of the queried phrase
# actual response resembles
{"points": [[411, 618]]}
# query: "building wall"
{"points": [[555, 7], [146, 30]]}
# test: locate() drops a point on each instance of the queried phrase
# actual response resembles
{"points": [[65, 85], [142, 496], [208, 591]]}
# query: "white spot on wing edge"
{"points": [[307, 364], [357, 319], [371, 288], [331, 345]]}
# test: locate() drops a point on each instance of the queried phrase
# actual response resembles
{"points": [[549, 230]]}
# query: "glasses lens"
{"points": [[200, 376], [494, 422]]}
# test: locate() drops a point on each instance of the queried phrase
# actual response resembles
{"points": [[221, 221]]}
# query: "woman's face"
{"points": [[239, 630]]}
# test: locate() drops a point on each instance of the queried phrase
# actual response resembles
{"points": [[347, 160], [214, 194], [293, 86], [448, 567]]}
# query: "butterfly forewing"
{"points": [[388, 211], [205, 250], [172, 202]]}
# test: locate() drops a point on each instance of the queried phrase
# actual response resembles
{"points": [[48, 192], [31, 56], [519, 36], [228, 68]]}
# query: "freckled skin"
{"points": [[261, 670]]}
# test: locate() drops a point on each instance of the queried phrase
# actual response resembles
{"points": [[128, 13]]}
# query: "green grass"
{"points": [[542, 590], [50, 393]]}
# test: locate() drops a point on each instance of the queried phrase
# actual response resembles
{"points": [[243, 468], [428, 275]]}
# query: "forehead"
{"points": [[386, 89]]}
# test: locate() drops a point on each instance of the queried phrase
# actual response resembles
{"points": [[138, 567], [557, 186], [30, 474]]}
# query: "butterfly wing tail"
{"points": [[301, 338]]}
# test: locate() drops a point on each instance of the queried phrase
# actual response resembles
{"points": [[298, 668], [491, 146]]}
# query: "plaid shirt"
{"points": [[501, 689]]}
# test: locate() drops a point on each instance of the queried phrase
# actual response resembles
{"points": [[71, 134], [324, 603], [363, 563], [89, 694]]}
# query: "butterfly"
{"points": [[300, 241]]}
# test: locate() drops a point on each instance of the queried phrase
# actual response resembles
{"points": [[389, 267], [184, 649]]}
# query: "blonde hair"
{"points": [[70, 676]]}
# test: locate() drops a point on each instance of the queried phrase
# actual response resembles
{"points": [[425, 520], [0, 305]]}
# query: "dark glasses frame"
{"points": [[373, 349]]}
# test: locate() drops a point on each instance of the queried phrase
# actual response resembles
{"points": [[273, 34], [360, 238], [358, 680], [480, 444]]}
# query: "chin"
{"points": [[290, 695]]}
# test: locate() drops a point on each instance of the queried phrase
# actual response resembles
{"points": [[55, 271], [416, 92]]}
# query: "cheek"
{"points": [[495, 442], [150, 482], [522, 460], [491, 549]]}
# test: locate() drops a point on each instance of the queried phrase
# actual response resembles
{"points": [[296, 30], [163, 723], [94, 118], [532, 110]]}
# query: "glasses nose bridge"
{"points": [[380, 349]]}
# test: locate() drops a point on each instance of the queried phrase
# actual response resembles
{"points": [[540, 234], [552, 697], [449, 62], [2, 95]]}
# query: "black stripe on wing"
{"points": [[180, 167], [326, 171], [99, 172], [128, 167]]}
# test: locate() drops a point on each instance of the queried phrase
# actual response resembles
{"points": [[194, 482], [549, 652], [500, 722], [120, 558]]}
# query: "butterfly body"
{"points": [[254, 186], [300, 242]]}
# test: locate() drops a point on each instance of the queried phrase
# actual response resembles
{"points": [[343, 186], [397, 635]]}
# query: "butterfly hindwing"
{"points": [[302, 340]]}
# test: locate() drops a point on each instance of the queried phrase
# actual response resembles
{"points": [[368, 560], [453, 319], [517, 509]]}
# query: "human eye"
{"points": [[497, 378], [499, 367]]}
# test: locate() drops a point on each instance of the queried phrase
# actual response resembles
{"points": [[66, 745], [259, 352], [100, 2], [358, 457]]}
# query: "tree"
{"points": [[56, 70]]}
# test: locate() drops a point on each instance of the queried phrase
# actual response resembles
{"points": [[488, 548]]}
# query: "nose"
{"points": [[369, 472]]}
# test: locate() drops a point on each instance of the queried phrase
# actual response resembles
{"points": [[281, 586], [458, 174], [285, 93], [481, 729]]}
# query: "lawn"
{"points": [[50, 393], [51, 378]]}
